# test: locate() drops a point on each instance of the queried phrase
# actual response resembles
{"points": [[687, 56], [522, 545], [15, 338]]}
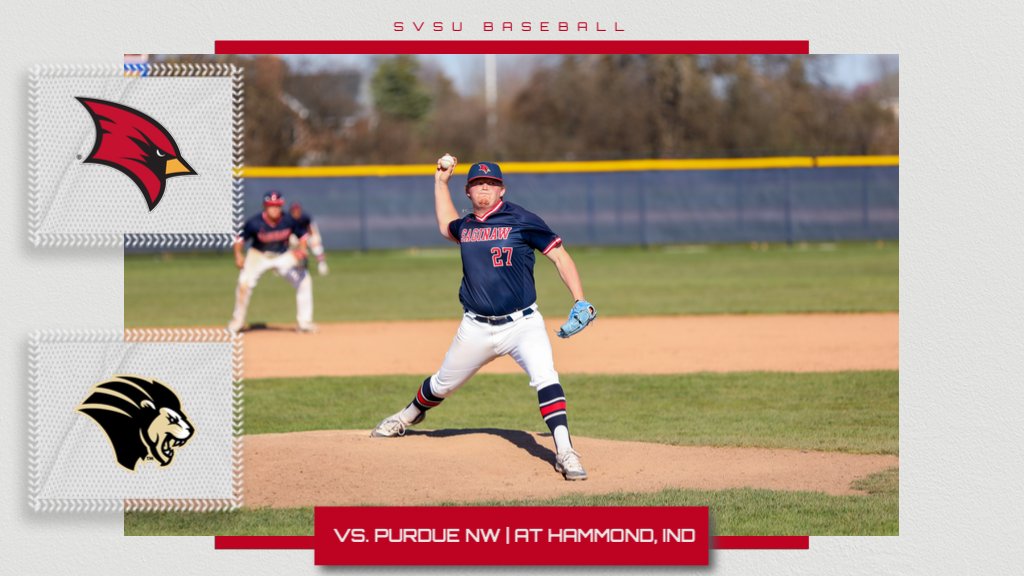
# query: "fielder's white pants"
{"points": [[477, 343], [285, 265], [314, 242]]}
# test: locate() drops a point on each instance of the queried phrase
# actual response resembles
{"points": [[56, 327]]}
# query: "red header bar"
{"points": [[511, 536], [512, 47]]}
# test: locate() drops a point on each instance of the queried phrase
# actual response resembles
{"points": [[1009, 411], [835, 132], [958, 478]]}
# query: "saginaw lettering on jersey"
{"points": [[484, 234]]}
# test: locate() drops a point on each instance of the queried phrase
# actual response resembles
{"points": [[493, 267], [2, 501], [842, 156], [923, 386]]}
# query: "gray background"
{"points": [[962, 265]]}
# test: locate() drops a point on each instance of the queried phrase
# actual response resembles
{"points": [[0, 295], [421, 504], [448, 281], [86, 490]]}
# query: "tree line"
{"points": [[574, 107]]}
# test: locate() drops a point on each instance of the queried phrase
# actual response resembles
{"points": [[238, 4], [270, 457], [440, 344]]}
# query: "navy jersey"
{"points": [[497, 258], [304, 221], [267, 237]]}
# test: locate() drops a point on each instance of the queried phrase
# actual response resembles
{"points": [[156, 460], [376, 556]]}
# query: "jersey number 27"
{"points": [[496, 254]]}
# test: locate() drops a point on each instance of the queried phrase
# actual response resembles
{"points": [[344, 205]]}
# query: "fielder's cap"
{"points": [[295, 206], [273, 198], [485, 170]]}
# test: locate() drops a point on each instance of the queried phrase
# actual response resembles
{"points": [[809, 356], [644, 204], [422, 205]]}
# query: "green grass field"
{"points": [[198, 289], [847, 412], [853, 412]]}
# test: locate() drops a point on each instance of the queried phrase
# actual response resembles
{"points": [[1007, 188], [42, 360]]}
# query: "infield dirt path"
{"points": [[347, 467], [648, 345]]}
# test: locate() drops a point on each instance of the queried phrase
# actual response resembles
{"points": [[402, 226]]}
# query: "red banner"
{"points": [[511, 536], [511, 47]]}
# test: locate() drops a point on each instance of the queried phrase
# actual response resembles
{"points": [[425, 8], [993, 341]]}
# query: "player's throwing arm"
{"points": [[498, 242]]}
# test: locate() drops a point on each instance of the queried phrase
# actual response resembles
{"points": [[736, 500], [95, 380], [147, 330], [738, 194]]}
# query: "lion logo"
{"points": [[143, 419]]}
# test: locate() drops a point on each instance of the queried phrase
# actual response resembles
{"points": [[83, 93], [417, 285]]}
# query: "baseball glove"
{"points": [[581, 315]]}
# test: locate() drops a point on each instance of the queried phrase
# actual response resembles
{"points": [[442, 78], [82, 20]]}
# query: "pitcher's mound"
{"points": [[347, 467]]}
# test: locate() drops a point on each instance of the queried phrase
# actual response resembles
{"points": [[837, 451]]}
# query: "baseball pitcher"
{"points": [[497, 241]]}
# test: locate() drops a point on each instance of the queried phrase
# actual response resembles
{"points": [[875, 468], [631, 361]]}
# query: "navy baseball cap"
{"points": [[485, 170], [273, 198]]}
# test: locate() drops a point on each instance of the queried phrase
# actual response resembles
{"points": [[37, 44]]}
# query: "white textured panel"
{"points": [[74, 202], [72, 466], [962, 259]]}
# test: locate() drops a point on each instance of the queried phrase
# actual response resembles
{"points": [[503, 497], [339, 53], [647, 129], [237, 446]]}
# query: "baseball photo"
{"points": [[556, 280]]}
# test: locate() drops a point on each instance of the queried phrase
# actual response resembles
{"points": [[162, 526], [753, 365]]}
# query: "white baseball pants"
{"points": [[477, 343], [285, 265]]}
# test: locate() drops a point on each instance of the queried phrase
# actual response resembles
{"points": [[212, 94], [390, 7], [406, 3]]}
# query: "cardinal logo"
{"points": [[483, 168], [142, 418], [135, 145]]}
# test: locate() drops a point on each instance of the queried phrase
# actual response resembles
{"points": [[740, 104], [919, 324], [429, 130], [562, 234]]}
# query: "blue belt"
{"points": [[499, 320]]}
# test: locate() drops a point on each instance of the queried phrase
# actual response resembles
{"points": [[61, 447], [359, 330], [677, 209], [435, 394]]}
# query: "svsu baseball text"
{"points": [[507, 26]]}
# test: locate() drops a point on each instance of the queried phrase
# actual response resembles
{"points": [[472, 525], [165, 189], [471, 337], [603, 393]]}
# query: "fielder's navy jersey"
{"points": [[497, 258], [267, 237], [304, 221]]}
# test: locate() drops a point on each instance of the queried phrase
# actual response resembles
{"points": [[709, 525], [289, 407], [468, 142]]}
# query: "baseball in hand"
{"points": [[446, 161]]}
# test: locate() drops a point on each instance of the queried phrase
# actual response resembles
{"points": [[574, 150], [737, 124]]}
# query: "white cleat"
{"points": [[392, 426], [568, 465], [234, 328], [309, 328]]}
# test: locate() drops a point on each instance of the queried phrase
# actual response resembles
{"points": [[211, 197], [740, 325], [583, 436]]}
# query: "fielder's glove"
{"points": [[581, 315]]}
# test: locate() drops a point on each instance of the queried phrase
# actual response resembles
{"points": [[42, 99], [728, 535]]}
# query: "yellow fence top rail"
{"points": [[381, 170]]}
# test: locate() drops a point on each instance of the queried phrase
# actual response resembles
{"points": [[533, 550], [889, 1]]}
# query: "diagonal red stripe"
{"points": [[552, 408], [423, 399]]}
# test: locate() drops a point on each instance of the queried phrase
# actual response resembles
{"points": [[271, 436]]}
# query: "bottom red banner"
{"points": [[511, 536]]}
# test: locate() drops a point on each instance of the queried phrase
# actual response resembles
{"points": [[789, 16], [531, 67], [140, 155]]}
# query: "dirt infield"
{"points": [[343, 467], [347, 467], [648, 345]]}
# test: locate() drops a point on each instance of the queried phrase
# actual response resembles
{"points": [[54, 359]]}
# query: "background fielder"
{"points": [[314, 240], [269, 232], [497, 243]]}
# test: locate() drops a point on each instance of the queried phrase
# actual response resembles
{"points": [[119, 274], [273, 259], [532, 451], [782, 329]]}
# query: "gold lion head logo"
{"points": [[143, 419]]}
